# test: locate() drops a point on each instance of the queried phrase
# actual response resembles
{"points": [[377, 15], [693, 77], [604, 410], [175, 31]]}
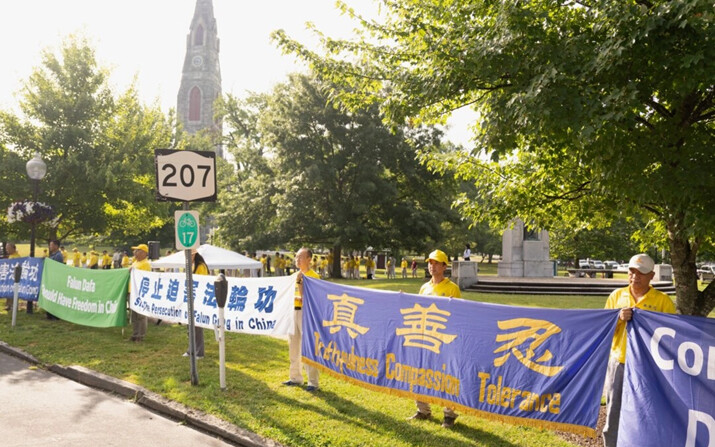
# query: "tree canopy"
{"points": [[310, 173], [98, 147], [588, 110]]}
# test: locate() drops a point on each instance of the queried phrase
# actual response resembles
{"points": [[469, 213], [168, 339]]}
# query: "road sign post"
{"points": [[186, 176], [186, 229]]}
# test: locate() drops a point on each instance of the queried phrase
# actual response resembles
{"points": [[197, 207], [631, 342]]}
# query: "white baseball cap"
{"points": [[641, 262]]}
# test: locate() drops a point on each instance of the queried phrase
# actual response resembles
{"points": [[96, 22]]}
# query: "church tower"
{"points": [[201, 74]]}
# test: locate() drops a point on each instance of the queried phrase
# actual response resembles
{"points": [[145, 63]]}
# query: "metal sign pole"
{"points": [[16, 292], [190, 302]]}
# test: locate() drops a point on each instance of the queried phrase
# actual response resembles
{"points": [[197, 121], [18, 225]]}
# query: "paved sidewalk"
{"points": [[76, 406]]}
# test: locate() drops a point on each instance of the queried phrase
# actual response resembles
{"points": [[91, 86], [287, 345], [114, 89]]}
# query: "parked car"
{"points": [[706, 273], [610, 265], [583, 264], [622, 268], [596, 264]]}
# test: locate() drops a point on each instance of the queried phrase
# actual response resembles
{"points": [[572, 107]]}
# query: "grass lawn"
{"points": [[339, 414]]}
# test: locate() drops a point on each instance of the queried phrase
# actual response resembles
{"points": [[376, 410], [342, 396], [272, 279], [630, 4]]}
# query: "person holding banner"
{"points": [[438, 285], [302, 261], [642, 295], [139, 321]]}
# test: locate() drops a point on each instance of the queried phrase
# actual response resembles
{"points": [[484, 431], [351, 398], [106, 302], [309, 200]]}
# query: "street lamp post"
{"points": [[36, 170]]}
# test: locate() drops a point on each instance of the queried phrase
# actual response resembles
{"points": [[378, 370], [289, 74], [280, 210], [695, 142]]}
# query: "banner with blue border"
{"points": [[29, 286], [261, 306], [537, 367], [669, 382]]}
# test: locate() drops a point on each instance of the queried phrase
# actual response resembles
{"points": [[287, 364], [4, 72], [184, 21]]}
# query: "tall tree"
{"points": [[315, 174], [589, 109], [98, 147]]}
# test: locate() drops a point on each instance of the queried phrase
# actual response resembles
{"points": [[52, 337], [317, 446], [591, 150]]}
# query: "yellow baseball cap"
{"points": [[439, 256], [142, 247]]}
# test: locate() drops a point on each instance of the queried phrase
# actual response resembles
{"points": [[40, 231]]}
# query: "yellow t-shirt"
{"points": [[140, 265], [298, 300], [445, 288], [403, 264], [201, 269], [654, 300], [14, 255], [125, 261], [76, 261], [93, 259], [64, 255], [144, 264]]}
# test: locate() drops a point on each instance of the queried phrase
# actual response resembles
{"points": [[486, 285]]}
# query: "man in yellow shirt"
{"points": [[302, 262], [139, 321], [639, 294], [403, 265], [11, 251], [438, 285], [65, 255], [93, 260], [369, 267], [106, 260], [329, 258], [76, 257], [125, 260]]}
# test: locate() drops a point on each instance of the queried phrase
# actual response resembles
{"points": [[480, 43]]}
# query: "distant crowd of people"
{"points": [[282, 265], [91, 260]]}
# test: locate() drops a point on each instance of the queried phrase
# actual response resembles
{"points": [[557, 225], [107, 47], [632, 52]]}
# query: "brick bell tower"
{"points": [[201, 74]]}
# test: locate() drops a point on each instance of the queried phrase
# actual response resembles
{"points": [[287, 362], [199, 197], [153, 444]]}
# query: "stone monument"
{"points": [[525, 252]]}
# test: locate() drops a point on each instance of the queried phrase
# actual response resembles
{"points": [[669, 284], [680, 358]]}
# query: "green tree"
{"points": [[98, 147], [13, 188], [615, 242], [589, 110], [310, 173]]}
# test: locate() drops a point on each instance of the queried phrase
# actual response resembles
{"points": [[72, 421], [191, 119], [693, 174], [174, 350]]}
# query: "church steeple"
{"points": [[201, 74]]}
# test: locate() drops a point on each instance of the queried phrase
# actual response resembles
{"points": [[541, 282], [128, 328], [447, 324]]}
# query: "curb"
{"points": [[148, 399]]}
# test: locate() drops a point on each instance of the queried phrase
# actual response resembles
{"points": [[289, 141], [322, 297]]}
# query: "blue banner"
{"points": [[669, 383], [29, 283], [538, 367]]}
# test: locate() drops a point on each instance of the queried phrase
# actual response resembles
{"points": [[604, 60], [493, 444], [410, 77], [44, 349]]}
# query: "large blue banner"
{"points": [[669, 384], [29, 286], [539, 367]]}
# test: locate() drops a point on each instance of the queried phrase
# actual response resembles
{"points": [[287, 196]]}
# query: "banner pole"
{"points": [[16, 292], [190, 303], [222, 348]]}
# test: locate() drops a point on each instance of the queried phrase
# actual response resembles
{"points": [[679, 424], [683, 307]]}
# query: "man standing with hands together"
{"points": [[302, 262]]}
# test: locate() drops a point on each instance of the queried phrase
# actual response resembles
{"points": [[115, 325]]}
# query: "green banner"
{"points": [[88, 297]]}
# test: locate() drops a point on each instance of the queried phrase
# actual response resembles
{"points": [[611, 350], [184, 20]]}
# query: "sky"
{"points": [[146, 39]]}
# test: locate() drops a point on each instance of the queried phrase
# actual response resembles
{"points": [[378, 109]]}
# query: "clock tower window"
{"points": [[199, 36], [195, 104]]}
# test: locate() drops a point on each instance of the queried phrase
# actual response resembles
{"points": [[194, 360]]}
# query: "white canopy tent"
{"points": [[215, 257]]}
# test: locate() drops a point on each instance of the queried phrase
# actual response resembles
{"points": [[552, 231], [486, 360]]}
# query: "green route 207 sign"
{"points": [[186, 226]]}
